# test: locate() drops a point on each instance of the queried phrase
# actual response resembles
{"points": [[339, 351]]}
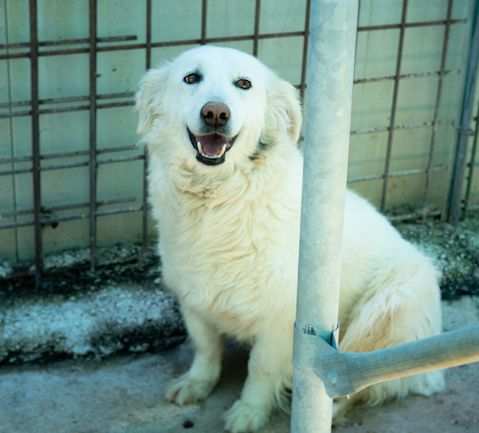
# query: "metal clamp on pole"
{"points": [[333, 25]]}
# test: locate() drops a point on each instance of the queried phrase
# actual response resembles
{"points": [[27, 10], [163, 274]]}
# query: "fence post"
{"points": [[332, 37], [456, 189]]}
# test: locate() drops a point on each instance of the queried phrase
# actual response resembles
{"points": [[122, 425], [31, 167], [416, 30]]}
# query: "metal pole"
{"points": [[464, 131], [472, 163], [333, 26], [345, 373]]}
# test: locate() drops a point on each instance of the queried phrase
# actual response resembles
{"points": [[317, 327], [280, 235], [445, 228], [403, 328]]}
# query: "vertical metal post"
{"points": [[11, 132], [93, 130], [330, 70], [392, 118], [149, 7], [204, 20], [302, 85], [437, 104], [257, 17], [37, 186], [456, 189], [472, 163], [145, 207]]}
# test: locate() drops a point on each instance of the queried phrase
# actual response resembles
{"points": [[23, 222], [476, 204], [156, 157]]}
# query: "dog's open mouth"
{"points": [[211, 148]]}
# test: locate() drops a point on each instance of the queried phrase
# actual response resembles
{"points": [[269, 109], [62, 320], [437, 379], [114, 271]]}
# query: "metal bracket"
{"points": [[344, 373]]}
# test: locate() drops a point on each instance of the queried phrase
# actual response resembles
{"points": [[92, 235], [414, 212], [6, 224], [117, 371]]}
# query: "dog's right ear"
{"points": [[148, 98]]}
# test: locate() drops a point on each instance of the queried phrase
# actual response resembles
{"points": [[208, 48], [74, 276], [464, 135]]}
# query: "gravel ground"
{"points": [[124, 394], [455, 251]]}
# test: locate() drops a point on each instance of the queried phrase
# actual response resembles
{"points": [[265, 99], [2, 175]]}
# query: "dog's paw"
{"points": [[186, 390], [245, 418]]}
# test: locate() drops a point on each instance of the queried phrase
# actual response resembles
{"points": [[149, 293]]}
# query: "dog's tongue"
{"points": [[212, 145]]}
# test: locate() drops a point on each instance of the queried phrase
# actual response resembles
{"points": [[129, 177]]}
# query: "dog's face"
{"points": [[216, 105]]}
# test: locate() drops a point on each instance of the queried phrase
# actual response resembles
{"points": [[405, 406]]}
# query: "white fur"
{"points": [[229, 238]]}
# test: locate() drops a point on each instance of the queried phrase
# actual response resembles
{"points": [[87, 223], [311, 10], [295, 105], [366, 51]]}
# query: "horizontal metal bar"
{"points": [[417, 171], [14, 172], [78, 153], [411, 24], [131, 103], [71, 41], [412, 216], [252, 37], [15, 114], [45, 111], [406, 76], [105, 150], [87, 163], [365, 178], [127, 210], [16, 159], [85, 107], [68, 99], [12, 56], [404, 126], [67, 207], [74, 165], [86, 215], [411, 172], [344, 373], [65, 166], [164, 44], [121, 159], [116, 104]]}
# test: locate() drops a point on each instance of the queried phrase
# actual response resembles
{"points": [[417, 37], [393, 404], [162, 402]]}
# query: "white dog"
{"points": [[225, 184]]}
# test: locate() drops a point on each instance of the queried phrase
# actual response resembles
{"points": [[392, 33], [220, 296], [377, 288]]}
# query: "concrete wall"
{"points": [[119, 71]]}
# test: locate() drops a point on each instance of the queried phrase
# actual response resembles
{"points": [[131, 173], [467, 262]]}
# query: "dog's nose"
{"points": [[215, 114]]}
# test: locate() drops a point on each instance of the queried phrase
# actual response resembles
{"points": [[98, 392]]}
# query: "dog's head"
{"points": [[216, 105]]}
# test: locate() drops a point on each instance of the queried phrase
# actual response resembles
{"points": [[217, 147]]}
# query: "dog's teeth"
{"points": [[200, 149]]}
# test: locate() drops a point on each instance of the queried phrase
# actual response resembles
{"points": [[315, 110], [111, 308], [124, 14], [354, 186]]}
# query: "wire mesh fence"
{"points": [[71, 174]]}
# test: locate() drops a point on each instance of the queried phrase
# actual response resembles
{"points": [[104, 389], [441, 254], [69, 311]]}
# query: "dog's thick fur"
{"points": [[229, 237]]}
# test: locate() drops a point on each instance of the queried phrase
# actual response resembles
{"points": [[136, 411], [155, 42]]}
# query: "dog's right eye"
{"points": [[192, 78]]}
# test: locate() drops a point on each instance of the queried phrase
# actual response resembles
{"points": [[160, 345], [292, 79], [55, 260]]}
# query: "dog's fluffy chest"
{"points": [[227, 260]]}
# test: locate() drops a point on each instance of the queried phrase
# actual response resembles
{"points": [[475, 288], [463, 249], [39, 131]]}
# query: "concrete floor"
{"points": [[125, 395]]}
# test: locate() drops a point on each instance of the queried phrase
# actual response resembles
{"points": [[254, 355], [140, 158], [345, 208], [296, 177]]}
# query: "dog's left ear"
{"points": [[283, 111]]}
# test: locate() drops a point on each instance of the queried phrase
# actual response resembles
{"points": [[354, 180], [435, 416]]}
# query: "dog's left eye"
{"points": [[243, 83], [192, 78]]}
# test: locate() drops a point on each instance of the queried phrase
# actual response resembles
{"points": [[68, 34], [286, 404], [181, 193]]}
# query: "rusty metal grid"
{"points": [[93, 102]]}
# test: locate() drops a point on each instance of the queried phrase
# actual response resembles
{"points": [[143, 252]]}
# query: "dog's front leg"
{"points": [[201, 378], [269, 363]]}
